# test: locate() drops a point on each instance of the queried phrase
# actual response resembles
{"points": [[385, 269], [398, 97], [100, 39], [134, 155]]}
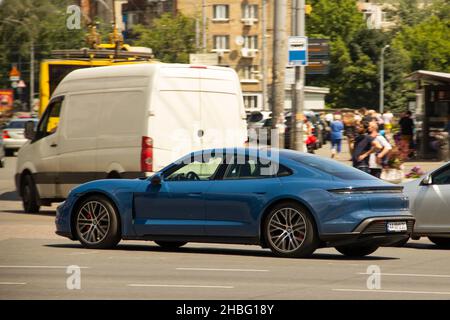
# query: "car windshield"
{"points": [[331, 167]]}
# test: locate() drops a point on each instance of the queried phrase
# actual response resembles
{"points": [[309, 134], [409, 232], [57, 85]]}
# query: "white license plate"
{"points": [[396, 226]]}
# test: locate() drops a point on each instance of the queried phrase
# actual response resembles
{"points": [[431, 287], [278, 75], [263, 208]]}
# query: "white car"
{"points": [[429, 200], [127, 121], [13, 134]]}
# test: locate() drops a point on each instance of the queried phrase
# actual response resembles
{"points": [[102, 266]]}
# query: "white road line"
{"points": [[409, 275], [216, 269], [12, 283], [178, 286], [392, 291], [39, 267]]}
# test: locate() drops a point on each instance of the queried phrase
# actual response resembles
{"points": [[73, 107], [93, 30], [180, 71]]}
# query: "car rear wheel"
{"points": [[170, 244], [9, 152], [356, 251], [96, 223], [441, 242], [289, 231], [30, 197]]}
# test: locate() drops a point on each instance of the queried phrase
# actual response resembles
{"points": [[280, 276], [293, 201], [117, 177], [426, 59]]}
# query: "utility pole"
{"points": [[382, 78], [279, 67], [299, 96], [204, 25], [264, 55], [31, 73]]}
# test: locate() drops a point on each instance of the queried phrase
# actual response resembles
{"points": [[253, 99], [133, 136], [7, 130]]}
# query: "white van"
{"points": [[126, 122]]}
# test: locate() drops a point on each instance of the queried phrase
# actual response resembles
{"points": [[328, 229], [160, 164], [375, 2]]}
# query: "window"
{"points": [[50, 120], [19, 124], [255, 169], [442, 176], [196, 170], [221, 42], [249, 74], [251, 42], [220, 12], [250, 11], [251, 102]]}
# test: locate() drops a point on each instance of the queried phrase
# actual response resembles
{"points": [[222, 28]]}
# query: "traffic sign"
{"points": [[298, 51]]}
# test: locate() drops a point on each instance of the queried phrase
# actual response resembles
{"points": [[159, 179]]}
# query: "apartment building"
{"points": [[376, 14]]}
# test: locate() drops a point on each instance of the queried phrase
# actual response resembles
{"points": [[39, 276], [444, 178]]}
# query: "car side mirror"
{"points": [[428, 180], [156, 180], [29, 130]]}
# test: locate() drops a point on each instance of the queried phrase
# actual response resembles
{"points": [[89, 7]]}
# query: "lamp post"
{"points": [[382, 78]]}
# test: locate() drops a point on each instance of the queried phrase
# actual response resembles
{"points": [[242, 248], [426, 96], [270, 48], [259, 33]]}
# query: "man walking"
{"points": [[406, 131]]}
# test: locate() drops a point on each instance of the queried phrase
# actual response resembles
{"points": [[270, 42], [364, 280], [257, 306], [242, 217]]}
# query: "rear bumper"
{"points": [[13, 144], [372, 231]]}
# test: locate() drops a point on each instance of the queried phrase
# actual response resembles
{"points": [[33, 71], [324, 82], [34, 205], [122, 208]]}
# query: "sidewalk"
{"points": [[345, 157]]}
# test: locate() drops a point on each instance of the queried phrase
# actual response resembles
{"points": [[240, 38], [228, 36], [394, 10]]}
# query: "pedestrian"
{"points": [[378, 159], [406, 131], [387, 118], [362, 145], [349, 129], [336, 127]]}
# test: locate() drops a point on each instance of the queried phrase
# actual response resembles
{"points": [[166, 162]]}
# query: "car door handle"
{"points": [[194, 194], [259, 192], [53, 145]]}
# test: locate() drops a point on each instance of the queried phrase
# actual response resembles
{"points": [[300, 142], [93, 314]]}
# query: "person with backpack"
{"points": [[379, 158]]}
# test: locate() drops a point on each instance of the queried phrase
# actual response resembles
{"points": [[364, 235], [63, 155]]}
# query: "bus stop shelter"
{"points": [[432, 111]]}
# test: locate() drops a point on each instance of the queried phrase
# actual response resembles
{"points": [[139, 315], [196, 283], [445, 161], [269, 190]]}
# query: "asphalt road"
{"points": [[34, 261]]}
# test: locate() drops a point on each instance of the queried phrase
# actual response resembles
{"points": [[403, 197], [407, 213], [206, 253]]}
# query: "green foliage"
{"points": [[171, 38], [44, 22]]}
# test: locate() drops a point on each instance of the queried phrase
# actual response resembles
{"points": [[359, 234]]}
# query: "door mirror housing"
{"points": [[30, 132], [428, 180], [156, 180]]}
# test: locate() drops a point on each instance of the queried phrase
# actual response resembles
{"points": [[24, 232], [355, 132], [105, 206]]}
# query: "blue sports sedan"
{"points": [[290, 202]]}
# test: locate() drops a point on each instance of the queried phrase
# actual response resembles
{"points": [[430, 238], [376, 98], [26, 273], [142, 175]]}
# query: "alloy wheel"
{"points": [[93, 222], [287, 230]]}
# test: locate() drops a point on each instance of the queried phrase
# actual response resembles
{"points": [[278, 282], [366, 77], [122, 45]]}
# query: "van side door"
{"points": [[45, 149]]}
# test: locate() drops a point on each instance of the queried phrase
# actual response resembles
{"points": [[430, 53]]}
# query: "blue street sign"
{"points": [[298, 51]]}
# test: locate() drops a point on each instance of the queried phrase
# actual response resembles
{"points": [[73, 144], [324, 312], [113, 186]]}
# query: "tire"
{"points": [[440, 242], [400, 243], [170, 245], [289, 231], [30, 196], [9, 152], [96, 223], [356, 251]]}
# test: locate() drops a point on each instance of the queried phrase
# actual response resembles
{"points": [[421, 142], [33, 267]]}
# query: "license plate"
{"points": [[396, 226]]}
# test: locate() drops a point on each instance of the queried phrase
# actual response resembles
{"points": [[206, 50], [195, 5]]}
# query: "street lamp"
{"points": [[382, 78]]}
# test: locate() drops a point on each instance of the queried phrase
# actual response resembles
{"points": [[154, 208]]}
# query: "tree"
{"points": [[171, 38]]}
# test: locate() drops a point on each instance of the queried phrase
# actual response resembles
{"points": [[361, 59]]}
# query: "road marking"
{"points": [[392, 291], [13, 283], [39, 267], [216, 269], [409, 275], [178, 286]]}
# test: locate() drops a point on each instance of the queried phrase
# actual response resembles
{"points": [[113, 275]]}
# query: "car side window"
{"points": [[196, 170], [254, 169], [50, 120], [442, 177]]}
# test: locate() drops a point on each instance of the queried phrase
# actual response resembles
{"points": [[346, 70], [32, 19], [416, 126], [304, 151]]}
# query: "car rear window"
{"points": [[332, 167], [16, 125]]}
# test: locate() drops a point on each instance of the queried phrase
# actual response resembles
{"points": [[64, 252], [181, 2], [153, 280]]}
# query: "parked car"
{"points": [[13, 134], [288, 201], [429, 199], [127, 121]]}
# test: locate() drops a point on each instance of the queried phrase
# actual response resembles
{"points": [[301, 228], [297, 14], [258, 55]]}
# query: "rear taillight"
{"points": [[147, 154], [6, 134]]}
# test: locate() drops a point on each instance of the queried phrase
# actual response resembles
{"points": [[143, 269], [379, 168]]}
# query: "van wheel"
{"points": [[356, 251], [96, 223], [9, 152], [170, 245], [30, 197], [289, 231]]}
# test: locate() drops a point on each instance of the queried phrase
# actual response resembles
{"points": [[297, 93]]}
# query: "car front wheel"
{"points": [[96, 223], [30, 196], [290, 232], [356, 251]]}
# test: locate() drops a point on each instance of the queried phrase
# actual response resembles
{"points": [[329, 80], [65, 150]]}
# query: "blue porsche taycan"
{"points": [[290, 202]]}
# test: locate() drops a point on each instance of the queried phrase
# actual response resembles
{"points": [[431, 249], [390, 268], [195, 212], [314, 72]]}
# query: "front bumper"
{"points": [[371, 231]]}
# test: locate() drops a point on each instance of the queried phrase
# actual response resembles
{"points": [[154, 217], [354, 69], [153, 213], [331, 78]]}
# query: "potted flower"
{"points": [[416, 172]]}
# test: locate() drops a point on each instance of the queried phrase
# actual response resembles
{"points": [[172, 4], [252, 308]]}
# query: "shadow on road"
{"points": [[10, 196], [425, 246], [222, 251], [48, 213]]}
